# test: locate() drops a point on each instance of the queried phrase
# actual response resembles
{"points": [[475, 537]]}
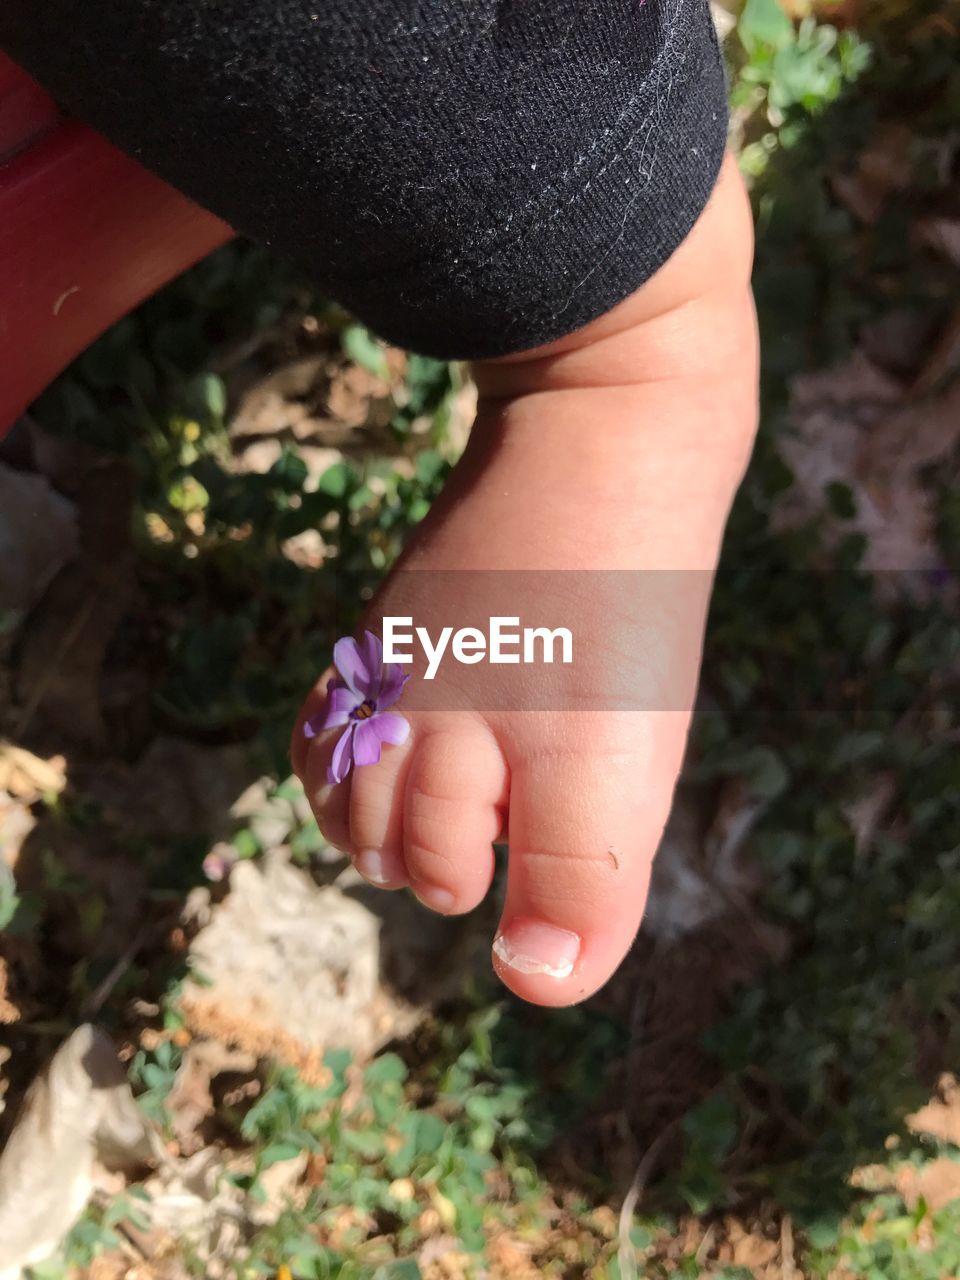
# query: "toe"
{"points": [[584, 826], [330, 802], [376, 817], [300, 742], [455, 793]]}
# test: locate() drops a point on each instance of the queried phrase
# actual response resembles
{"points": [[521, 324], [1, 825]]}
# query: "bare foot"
{"points": [[614, 454]]}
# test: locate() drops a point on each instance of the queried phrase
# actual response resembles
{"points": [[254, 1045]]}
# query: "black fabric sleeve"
{"points": [[470, 177]]}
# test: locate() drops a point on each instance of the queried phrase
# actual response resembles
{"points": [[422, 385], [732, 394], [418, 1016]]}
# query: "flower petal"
{"points": [[391, 685], [343, 756], [371, 649], [340, 702], [349, 661], [366, 742], [390, 727]]}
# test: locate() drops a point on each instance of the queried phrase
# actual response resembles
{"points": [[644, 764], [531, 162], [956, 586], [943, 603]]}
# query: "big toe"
{"points": [[585, 822]]}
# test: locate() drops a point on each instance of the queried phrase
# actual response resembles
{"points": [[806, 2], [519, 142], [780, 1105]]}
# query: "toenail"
{"points": [[378, 868], [431, 895], [527, 946]]}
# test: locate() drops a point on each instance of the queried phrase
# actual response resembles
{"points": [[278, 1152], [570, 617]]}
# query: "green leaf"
{"points": [[277, 1152], [360, 345], [406, 1269], [428, 466], [712, 1127], [822, 1233], [337, 480], [9, 899], [765, 768], [337, 1060], [360, 497], [289, 471], [188, 495], [841, 500], [431, 1132], [365, 1142], [483, 1108], [764, 22], [246, 844], [50, 1269], [290, 790], [66, 405], [214, 394], [388, 1068]]}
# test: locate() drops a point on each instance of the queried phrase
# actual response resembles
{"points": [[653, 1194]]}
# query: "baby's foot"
{"points": [[615, 454]]}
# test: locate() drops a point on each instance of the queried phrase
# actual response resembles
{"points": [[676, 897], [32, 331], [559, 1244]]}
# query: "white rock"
{"points": [[287, 967]]}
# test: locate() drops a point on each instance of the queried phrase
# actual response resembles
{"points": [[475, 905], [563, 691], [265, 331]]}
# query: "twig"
{"points": [[703, 1248], [80, 620], [626, 1254], [98, 997], [787, 1267], [777, 1104], [131, 1246]]}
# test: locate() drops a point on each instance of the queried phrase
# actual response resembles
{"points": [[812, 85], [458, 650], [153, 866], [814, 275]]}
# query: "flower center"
{"points": [[364, 711]]}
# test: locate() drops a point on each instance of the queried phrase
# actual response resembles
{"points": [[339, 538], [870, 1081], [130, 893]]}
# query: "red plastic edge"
{"points": [[85, 235]]}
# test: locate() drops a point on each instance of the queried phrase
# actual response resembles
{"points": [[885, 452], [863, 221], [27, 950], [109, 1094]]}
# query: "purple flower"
{"points": [[359, 697], [219, 861]]}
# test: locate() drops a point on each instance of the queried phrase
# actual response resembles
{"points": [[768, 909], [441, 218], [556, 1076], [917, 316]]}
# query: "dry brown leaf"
{"points": [[840, 13], [110, 1266], [27, 777], [442, 1258], [943, 235], [9, 1013], [321, 399], [898, 340], [282, 1187], [855, 426], [944, 360], [936, 1183], [177, 787], [195, 1202], [80, 1107], [883, 168], [66, 636], [754, 1251], [830, 412], [38, 535], [940, 1118], [510, 1259], [872, 1177], [354, 395], [190, 1101], [914, 436], [868, 810], [16, 824]]}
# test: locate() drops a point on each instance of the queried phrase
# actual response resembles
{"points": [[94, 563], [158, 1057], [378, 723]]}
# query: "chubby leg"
{"points": [[618, 449], [85, 235]]}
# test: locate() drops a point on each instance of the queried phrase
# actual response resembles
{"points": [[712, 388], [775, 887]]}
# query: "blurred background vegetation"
{"points": [[764, 1090]]}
